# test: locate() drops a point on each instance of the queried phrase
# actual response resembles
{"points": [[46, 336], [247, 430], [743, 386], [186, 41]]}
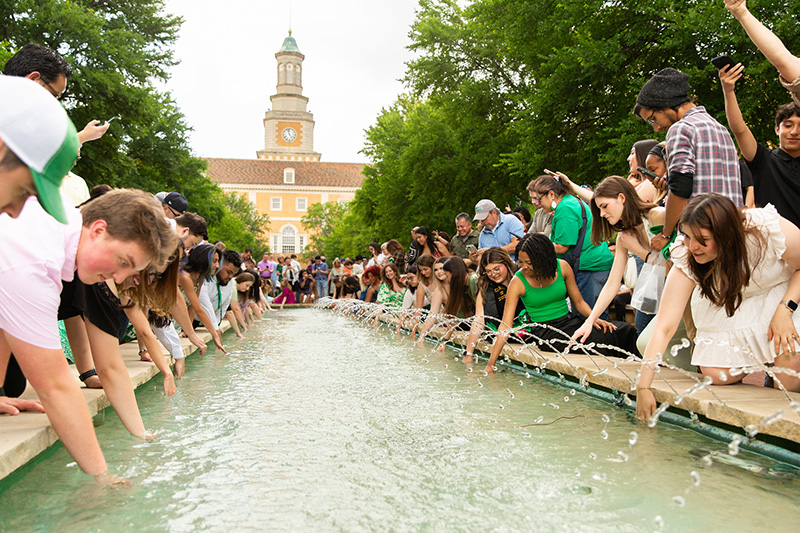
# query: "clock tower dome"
{"points": [[288, 127]]}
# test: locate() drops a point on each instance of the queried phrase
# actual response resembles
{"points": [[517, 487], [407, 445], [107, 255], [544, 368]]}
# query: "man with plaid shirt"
{"points": [[701, 156]]}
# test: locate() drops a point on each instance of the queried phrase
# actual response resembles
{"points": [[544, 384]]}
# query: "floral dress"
{"points": [[388, 297]]}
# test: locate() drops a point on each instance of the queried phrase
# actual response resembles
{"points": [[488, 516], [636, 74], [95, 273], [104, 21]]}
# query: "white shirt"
{"points": [[37, 253]]}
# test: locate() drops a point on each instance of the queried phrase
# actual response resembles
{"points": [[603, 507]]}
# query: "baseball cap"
{"points": [[36, 128], [176, 201], [483, 208]]}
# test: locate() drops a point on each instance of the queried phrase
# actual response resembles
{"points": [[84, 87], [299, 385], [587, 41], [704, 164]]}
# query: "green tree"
{"points": [[118, 50], [241, 226]]}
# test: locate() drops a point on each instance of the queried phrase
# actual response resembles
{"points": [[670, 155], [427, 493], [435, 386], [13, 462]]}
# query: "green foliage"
{"points": [[241, 226], [118, 49], [336, 231], [501, 89]]}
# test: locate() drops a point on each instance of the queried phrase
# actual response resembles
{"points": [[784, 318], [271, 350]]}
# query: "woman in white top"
{"points": [[740, 270]]}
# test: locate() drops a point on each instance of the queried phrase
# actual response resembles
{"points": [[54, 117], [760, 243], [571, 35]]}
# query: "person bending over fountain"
{"points": [[543, 284], [495, 272], [740, 270]]}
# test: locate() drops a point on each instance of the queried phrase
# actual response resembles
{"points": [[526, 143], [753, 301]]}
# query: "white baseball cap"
{"points": [[37, 129]]}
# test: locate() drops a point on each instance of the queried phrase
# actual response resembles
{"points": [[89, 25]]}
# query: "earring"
{"points": [[553, 205]]}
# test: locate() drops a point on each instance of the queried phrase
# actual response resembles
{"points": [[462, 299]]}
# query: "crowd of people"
{"points": [[101, 259], [707, 242]]}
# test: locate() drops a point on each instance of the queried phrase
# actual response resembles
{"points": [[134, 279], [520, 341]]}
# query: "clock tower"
{"points": [[288, 127]]}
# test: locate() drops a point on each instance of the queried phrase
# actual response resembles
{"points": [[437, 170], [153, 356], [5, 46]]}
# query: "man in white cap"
{"points": [[498, 229], [38, 146]]}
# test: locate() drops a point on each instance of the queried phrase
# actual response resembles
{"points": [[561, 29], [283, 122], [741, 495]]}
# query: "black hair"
{"points": [[541, 253], [350, 286], [200, 259], [233, 257], [785, 111], [458, 299], [522, 210], [36, 58]]}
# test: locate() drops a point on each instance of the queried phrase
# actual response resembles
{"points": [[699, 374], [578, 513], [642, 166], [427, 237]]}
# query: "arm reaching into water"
{"points": [[677, 291]]}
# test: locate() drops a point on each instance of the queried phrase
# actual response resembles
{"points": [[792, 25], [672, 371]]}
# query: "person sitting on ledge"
{"points": [[543, 284], [740, 270], [495, 272]]}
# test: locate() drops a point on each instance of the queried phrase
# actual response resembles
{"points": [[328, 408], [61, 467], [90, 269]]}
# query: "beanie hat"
{"points": [[36, 128], [667, 88]]}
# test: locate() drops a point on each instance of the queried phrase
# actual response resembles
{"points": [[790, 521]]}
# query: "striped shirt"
{"points": [[699, 145]]}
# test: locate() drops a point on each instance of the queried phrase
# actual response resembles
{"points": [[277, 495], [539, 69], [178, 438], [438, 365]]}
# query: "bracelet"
{"points": [[643, 388], [664, 236], [647, 256], [142, 350]]}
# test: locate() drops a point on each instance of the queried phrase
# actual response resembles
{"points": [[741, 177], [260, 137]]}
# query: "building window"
{"points": [[288, 175], [302, 204], [288, 240], [277, 203], [302, 243], [274, 243], [252, 196], [342, 202]]}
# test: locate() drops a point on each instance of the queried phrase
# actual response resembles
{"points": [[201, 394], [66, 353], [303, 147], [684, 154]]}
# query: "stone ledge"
{"points": [[736, 405], [28, 434]]}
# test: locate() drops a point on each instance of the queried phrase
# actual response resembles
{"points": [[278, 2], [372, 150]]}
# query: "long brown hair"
{"points": [[458, 299], [723, 280], [633, 212], [495, 254], [158, 294], [427, 260]]}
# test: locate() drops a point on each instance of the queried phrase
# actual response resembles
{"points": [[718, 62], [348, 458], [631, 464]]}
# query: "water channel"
{"points": [[315, 421]]}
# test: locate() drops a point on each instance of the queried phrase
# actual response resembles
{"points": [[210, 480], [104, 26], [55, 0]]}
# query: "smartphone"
{"points": [[549, 172], [648, 174], [722, 61], [112, 119], [471, 248]]}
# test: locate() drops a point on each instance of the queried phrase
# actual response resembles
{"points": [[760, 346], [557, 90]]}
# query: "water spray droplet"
{"points": [[695, 477], [733, 447], [604, 434], [679, 501], [633, 438], [605, 418], [566, 398], [707, 460], [659, 522], [592, 456], [572, 392]]}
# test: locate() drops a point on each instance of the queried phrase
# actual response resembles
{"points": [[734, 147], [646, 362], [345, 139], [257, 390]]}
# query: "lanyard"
{"points": [[219, 303]]}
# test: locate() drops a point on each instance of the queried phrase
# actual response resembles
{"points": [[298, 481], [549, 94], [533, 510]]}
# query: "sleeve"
{"points": [[679, 255], [205, 303], [769, 221], [567, 225], [747, 176], [757, 164], [29, 307], [516, 228], [680, 149]]}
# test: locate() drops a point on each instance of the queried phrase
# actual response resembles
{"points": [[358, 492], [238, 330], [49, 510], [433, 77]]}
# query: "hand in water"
{"points": [[147, 436], [645, 404], [169, 385], [112, 480], [195, 339]]}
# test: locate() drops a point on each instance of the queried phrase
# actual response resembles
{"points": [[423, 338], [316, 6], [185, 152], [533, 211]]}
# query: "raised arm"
{"points": [[770, 45], [728, 77]]}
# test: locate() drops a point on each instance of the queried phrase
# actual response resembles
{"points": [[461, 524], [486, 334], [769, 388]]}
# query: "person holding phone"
{"points": [[464, 238], [774, 172]]}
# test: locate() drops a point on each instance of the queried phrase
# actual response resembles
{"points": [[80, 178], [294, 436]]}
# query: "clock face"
{"points": [[289, 134]]}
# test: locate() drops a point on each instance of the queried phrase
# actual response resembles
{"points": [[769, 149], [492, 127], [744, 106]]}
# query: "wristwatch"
{"points": [[791, 305]]}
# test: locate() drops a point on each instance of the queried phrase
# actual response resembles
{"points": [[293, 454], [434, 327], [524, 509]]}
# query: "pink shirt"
{"points": [[37, 253]]}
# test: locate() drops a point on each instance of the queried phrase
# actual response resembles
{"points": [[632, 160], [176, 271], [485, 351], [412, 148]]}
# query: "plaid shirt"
{"points": [[699, 145]]}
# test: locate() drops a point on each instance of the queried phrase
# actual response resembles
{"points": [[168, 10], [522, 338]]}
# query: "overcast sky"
{"points": [[355, 53]]}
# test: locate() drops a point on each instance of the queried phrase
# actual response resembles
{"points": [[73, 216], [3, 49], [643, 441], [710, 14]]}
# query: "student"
{"points": [[120, 235], [543, 284], [740, 270]]}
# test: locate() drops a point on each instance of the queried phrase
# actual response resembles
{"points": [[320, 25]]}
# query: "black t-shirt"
{"points": [[96, 303], [776, 180]]}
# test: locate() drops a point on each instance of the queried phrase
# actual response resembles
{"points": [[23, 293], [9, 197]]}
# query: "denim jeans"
{"points": [[322, 288], [590, 284]]}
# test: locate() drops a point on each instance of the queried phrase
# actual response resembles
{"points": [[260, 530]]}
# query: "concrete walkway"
{"points": [[28, 434]]}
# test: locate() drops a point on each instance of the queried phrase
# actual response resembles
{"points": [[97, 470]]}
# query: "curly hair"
{"points": [[541, 253]]}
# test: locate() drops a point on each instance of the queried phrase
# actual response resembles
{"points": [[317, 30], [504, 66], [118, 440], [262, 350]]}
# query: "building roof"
{"points": [[266, 172], [289, 44]]}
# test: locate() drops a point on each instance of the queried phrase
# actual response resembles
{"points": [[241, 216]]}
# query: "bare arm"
{"points": [[606, 296], [744, 137], [770, 45], [477, 326], [48, 373], [436, 306], [515, 291], [677, 291], [143, 331]]}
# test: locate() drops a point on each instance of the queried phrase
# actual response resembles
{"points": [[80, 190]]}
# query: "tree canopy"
{"points": [[501, 89], [119, 50]]}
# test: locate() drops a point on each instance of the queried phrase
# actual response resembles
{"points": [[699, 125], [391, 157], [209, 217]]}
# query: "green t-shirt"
{"points": [[567, 223]]}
